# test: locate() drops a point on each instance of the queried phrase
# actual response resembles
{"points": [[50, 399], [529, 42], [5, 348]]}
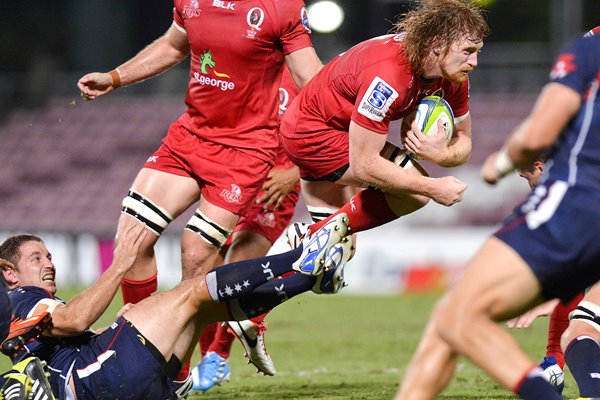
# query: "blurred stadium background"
{"points": [[66, 164]]}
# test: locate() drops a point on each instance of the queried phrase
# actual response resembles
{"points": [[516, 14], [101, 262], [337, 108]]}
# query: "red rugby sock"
{"points": [[136, 291], [559, 321], [207, 337], [222, 342], [367, 209]]}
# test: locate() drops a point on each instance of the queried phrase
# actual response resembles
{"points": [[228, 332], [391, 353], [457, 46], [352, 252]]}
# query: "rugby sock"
{"points": [[583, 358], [533, 386], [237, 279], [559, 321], [269, 295], [222, 342], [136, 291], [183, 372], [207, 337], [367, 209]]}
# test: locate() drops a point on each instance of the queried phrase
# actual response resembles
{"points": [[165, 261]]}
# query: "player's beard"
{"points": [[458, 77]]}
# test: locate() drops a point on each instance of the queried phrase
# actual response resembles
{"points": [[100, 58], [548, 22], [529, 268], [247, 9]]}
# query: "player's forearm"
{"points": [[459, 153], [153, 60], [85, 308], [157, 57], [391, 178]]}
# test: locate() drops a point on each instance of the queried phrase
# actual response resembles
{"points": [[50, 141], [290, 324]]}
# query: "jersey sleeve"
{"points": [[375, 99], [177, 18], [577, 65], [31, 300], [294, 26]]}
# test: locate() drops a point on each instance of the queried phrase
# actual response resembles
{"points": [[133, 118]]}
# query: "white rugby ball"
{"points": [[429, 111]]}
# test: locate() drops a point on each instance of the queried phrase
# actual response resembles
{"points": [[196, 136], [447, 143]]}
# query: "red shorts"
{"points": [[317, 154], [228, 177], [268, 223]]}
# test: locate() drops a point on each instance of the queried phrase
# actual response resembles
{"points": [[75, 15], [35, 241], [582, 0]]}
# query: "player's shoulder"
{"points": [[25, 298]]}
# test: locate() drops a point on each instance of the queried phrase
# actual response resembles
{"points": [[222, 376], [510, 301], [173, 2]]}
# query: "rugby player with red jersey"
{"points": [[252, 237], [219, 152], [338, 125]]}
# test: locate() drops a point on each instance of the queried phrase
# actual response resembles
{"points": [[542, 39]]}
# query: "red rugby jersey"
{"points": [[288, 90], [370, 84], [237, 58]]}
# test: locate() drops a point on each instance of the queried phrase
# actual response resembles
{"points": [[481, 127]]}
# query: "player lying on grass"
{"points": [[138, 356], [547, 249]]}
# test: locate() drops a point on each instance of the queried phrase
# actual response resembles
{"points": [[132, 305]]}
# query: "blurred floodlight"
{"points": [[325, 16]]}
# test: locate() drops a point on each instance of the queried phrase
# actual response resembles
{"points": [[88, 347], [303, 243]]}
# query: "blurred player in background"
{"points": [[546, 249], [219, 152], [252, 237], [139, 355], [337, 127], [554, 361]]}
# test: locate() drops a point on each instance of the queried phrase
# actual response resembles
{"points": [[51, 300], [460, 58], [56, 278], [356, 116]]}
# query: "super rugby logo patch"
{"points": [[377, 100]]}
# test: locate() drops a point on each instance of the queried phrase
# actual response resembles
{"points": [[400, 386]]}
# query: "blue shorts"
{"points": [[120, 364], [556, 232]]}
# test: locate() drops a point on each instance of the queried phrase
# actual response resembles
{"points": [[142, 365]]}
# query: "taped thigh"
{"points": [[208, 230], [396, 155], [587, 312], [144, 210]]}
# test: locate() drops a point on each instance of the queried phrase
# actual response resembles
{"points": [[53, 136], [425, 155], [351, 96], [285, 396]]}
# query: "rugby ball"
{"points": [[429, 111]]}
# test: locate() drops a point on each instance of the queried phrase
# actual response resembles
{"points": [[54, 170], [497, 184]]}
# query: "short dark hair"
{"points": [[10, 248]]}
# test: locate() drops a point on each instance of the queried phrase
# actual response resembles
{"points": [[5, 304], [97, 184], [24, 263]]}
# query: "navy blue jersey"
{"points": [[118, 363], [5, 313], [555, 230], [575, 158]]}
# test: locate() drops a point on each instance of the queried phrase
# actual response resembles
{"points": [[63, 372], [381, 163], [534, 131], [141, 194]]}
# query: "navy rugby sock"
{"points": [[237, 279], [533, 386], [583, 358], [269, 295]]}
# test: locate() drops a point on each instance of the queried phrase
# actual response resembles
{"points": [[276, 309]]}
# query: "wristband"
{"points": [[504, 165], [116, 78]]}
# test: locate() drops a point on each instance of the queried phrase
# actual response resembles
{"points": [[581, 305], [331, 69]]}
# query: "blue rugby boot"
{"points": [[331, 280], [316, 245], [211, 371]]}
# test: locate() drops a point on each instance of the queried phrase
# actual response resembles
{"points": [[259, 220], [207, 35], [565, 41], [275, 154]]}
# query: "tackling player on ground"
{"points": [[139, 355]]}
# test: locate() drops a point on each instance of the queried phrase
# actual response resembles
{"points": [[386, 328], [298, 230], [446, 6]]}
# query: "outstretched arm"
{"points": [[84, 309], [554, 108], [159, 56]]}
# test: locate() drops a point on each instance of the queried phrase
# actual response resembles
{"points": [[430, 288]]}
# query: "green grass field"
{"points": [[350, 347]]}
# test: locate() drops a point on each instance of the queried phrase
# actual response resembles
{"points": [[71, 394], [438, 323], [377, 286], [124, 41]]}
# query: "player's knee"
{"points": [[207, 229], [147, 212], [584, 321], [453, 321]]}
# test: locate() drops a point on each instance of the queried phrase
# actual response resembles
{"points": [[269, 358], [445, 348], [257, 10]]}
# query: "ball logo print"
{"points": [[429, 111]]}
